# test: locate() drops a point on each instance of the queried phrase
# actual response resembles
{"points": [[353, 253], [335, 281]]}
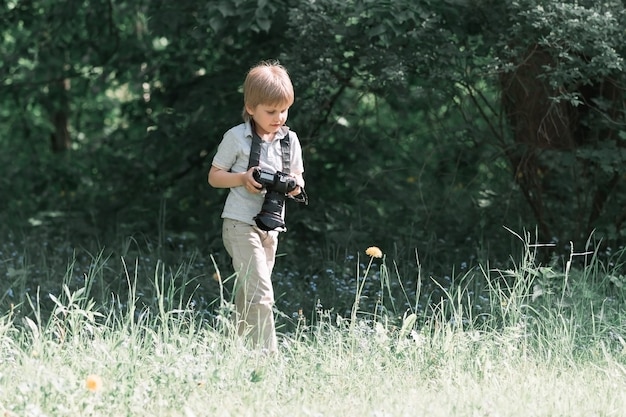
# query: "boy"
{"points": [[267, 94]]}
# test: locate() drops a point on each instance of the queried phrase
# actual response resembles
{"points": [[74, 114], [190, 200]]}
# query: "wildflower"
{"points": [[93, 383], [374, 252]]}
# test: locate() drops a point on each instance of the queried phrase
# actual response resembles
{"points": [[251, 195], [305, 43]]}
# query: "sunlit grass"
{"points": [[529, 340]]}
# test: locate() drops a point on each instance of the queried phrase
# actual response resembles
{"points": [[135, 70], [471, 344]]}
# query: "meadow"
{"points": [[525, 340]]}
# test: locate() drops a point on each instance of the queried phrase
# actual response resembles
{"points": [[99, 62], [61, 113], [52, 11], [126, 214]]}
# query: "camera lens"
{"points": [[271, 215]]}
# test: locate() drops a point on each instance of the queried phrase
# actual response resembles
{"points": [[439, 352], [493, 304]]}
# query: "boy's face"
{"points": [[268, 118]]}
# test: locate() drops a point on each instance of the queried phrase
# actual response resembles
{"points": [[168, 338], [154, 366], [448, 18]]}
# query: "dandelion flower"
{"points": [[374, 252], [93, 383]]}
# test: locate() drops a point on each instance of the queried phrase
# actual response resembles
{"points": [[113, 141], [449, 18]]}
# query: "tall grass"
{"points": [[526, 340]]}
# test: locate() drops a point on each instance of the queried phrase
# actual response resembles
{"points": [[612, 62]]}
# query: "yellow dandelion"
{"points": [[93, 383], [374, 252]]}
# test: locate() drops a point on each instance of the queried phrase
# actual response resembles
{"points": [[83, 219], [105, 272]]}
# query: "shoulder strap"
{"points": [[255, 151], [284, 146]]}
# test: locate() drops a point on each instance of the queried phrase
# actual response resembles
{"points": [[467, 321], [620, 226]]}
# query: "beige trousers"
{"points": [[253, 252]]}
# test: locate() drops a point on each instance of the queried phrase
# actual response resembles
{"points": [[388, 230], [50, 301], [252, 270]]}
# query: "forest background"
{"points": [[429, 128]]}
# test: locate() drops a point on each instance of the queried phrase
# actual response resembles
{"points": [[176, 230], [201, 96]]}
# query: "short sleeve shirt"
{"points": [[233, 155]]}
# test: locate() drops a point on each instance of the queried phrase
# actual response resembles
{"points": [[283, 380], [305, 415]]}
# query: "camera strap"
{"points": [[255, 151], [285, 143]]}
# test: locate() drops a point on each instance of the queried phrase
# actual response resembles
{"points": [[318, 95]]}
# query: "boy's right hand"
{"points": [[250, 183], [220, 178]]}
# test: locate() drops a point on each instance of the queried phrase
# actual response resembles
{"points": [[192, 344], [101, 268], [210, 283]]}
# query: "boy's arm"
{"points": [[300, 185], [219, 178], [298, 194]]}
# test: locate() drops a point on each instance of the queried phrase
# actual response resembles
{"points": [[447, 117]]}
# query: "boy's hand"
{"points": [[250, 183]]}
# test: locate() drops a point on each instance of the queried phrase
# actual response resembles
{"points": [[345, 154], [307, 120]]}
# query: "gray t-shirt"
{"points": [[233, 155]]}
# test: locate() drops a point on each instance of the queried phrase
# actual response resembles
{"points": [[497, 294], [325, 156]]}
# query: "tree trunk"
{"points": [[60, 138]]}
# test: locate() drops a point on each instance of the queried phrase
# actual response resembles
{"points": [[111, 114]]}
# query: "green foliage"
{"points": [[398, 106], [575, 50]]}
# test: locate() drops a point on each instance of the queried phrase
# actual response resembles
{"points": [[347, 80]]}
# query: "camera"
{"points": [[277, 184]]}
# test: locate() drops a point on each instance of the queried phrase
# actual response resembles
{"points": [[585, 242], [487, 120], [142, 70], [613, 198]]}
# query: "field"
{"points": [[535, 341]]}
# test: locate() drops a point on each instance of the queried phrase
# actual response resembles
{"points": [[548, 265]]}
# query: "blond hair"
{"points": [[267, 83]]}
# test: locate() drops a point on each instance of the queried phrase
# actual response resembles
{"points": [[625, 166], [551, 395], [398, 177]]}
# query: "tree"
{"points": [[561, 67], [424, 124]]}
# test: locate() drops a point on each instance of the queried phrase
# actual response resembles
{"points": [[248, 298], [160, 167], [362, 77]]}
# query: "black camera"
{"points": [[277, 184]]}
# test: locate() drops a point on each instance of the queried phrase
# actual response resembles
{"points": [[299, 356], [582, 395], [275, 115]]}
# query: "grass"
{"points": [[526, 340]]}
